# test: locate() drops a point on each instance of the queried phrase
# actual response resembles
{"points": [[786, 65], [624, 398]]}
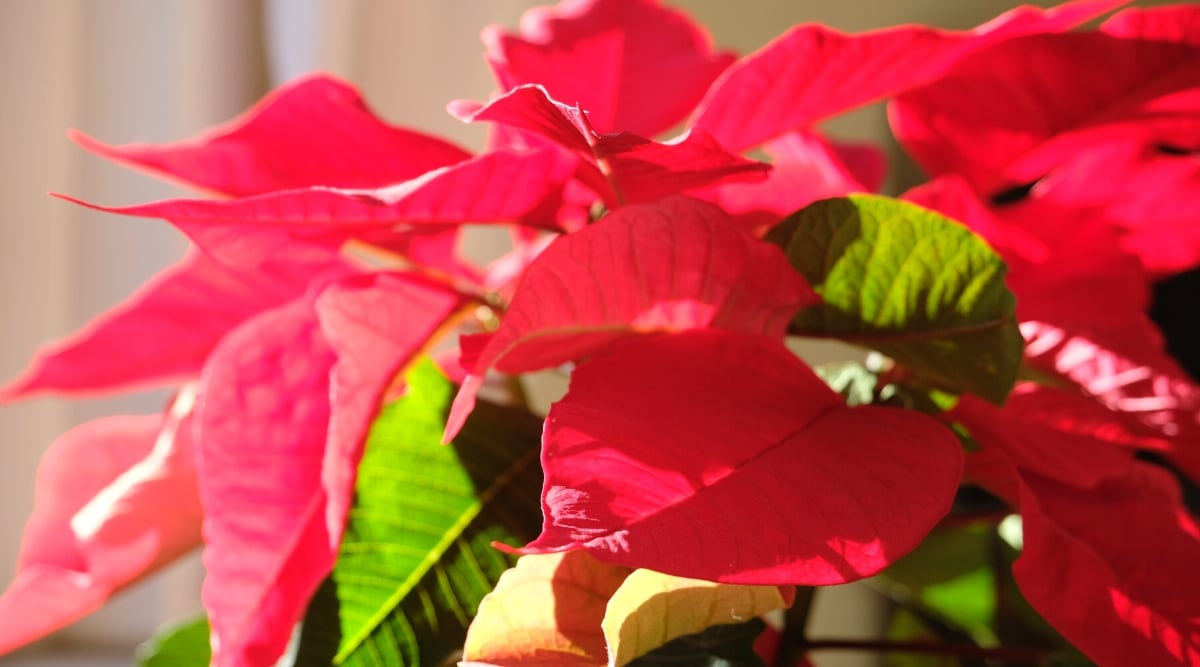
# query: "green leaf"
{"points": [[910, 283], [952, 575], [730, 645], [183, 645], [417, 558]]}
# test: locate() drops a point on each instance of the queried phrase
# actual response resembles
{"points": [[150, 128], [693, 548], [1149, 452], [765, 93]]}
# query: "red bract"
{"points": [[494, 187], [680, 453], [1058, 458], [636, 66], [673, 265], [1115, 144], [812, 72], [625, 168], [312, 131], [165, 331], [116, 500]]}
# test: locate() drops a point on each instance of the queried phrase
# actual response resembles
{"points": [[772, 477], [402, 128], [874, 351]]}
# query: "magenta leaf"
{"points": [[634, 64], [313, 131], [805, 167], [668, 266], [166, 329], [625, 168], [377, 325], [263, 414], [683, 453], [812, 72], [1114, 570], [116, 500], [1001, 123], [495, 187]]}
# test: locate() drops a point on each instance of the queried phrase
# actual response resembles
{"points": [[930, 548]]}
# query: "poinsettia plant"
{"points": [[1013, 466]]}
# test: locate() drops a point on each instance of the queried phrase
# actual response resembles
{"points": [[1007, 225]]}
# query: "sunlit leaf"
{"points": [[910, 283], [183, 645], [313, 131], [546, 611], [416, 557], [672, 265], [651, 609], [653, 460]]}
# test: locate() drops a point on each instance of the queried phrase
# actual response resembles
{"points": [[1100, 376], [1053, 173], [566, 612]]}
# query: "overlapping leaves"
{"points": [[416, 558], [910, 283]]}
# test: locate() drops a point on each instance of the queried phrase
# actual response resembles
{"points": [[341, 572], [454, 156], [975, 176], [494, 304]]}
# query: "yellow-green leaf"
{"points": [[651, 609], [545, 611]]}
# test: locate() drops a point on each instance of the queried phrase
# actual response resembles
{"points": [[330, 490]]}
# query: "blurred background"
{"points": [[161, 70]]}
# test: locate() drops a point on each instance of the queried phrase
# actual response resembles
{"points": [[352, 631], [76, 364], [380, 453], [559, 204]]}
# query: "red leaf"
{"points": [[377, 324], [635, 65], [1000, 122], [313, 131], [1058, 257], [494, 187], [625, 168], [263, 415], [721, 456], [116, 500], [1122, 596], [812, 72], [1173, 23], [672, 265], [166, 329]]}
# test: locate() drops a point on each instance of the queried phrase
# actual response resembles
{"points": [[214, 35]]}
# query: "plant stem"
{"points": [[791, 645], [1019, 654]]}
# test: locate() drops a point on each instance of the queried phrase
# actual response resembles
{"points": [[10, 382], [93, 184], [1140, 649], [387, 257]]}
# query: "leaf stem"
{"points": [[1018, 654], [791, 646]]}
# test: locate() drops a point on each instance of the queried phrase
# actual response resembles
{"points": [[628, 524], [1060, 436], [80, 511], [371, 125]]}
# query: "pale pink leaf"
{"points": [[263, 414], [313, 131], [116, 500], [688, 453], [377, 325]]}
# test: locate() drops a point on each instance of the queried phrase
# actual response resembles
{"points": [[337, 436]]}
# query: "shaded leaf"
{"points": [[672, 265], [312, 131], [651, 609], [416, 557], [184, 645], [649, 451], [635, 65], [546, 611], [717, 646], [910, 283], [1121, 596]]}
